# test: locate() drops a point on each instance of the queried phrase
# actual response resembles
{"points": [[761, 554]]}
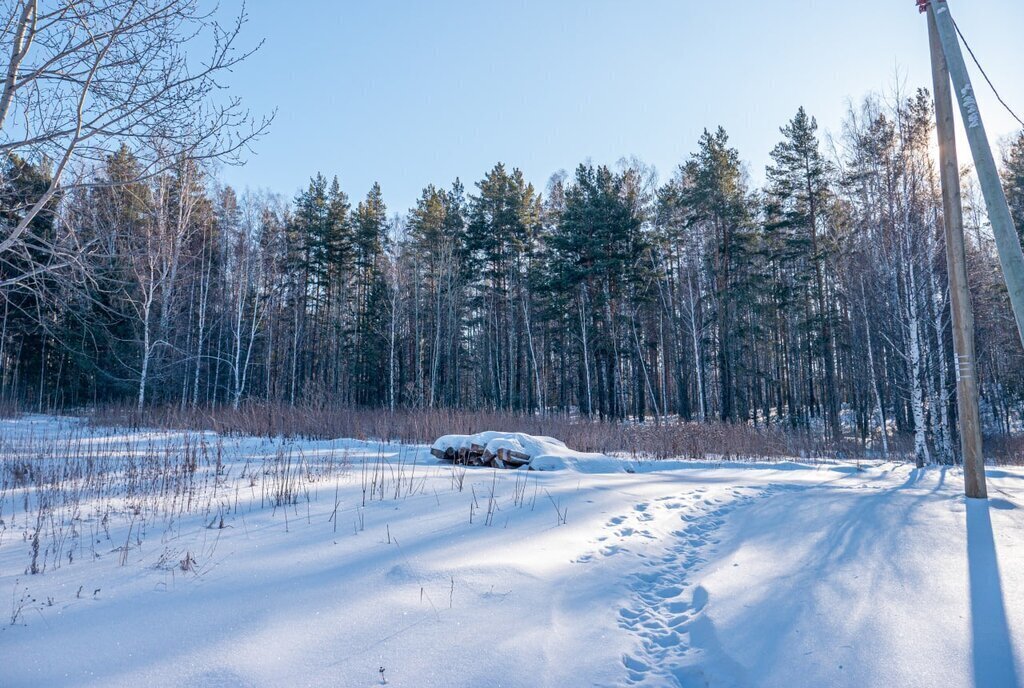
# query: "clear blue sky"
{"points": [[408, 92]]}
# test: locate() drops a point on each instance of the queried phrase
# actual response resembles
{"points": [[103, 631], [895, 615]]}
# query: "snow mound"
{"points": [[545, 453]]}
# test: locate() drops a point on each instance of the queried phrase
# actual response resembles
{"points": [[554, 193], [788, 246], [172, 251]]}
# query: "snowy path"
{"points": [[884, 579], [676, 575], [667, 609]]}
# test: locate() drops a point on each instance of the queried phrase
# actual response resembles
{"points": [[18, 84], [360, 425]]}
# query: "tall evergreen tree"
{"points": [[799, 188], [1013, 181], [600, 244], [714, 194], [503, 221], [370, 241]]}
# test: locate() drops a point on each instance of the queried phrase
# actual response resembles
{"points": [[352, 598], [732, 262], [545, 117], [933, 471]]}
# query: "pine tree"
{"points": [[799, 189], [438, 244], [339, 253], [712, 198], [1013, 181], [503, 221], [600, 246], [370, 242], [23, 294]]}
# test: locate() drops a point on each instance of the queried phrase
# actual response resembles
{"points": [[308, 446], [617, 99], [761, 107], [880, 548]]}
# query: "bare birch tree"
{"points": [[86, 76]]}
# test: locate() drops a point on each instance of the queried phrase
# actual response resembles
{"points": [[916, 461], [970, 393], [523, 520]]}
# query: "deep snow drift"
{"points": [[319, 563]]}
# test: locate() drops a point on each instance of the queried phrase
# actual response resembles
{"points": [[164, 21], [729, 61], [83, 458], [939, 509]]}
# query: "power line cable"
{"points": [[982, 69]]}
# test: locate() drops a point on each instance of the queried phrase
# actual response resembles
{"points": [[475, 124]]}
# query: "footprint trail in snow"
{"points": [[666, 612]]}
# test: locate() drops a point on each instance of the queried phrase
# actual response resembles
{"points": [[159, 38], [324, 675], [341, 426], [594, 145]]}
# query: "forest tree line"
{"points": [[818, 300]]}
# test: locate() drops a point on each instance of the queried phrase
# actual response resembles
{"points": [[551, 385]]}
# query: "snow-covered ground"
{"points": [[608, 574]]}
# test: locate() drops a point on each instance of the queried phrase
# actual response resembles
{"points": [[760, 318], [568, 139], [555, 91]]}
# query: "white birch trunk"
{"points": [[917, 396], [586, 353], [695, 335]]}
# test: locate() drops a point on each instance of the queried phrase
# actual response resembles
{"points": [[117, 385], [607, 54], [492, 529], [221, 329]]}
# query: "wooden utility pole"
{"points": [[1011, 258], [956, 263]]}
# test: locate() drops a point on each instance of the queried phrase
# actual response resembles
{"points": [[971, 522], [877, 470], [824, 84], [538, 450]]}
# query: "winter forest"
{"points": [[455, 344], [817, 301]]}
